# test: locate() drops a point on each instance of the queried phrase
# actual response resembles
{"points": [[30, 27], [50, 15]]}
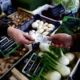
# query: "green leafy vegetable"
{"points": [[70, 5], [63, 59], [55, 65]]}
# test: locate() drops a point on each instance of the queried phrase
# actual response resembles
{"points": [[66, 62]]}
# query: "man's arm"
{"points": [[76, 42]]}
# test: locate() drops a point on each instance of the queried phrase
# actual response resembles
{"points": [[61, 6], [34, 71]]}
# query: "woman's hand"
{"points": [[61, 40], [20, 36]]}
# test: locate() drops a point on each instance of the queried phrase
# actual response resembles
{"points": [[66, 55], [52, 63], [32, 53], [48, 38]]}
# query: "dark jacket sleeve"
{"points": [[3, 28], [76, 42]]}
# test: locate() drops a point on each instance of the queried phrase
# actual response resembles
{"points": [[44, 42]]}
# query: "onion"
{"points": [[34, 25], [70, 56], [53, 76], [63, 59]]}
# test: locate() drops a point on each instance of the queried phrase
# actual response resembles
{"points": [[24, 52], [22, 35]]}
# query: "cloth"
{"points": [[76, 42], [3, 28]]}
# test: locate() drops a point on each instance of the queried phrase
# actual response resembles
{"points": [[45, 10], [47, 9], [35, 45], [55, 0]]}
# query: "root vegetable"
{"points": [[45, 28], [40, 54], [34, 25], [40, 27], [51, 26], [45, 33], [70, 56], [63, 59], [53, 75], [40, 30], [49, 29], [37, 21], [54, 64], [41, 23], [45, 24], [45, 48]]}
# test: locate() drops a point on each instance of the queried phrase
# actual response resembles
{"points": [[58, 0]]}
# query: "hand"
{"points": [[20, 36], [61, 40]]}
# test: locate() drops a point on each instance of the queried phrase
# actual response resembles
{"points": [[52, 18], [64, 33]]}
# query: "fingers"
{"points": [[28, 37], [58, 45], [24, 41], [27, 42], [50, 38], [56, 36]]}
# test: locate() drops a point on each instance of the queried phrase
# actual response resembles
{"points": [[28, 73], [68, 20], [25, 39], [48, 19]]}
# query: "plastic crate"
{"points": [[26, 27]]}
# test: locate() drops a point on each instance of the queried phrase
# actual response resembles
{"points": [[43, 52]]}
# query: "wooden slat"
{"points": [[12, 78], [18, 74]]}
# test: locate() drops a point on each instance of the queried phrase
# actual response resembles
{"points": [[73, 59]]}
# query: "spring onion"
{"points": [[70, 56], [63, 59], [45, 48], [53, 75], [54, 64], [40, 54]]}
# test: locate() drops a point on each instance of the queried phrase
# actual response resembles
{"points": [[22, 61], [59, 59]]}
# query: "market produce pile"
{"points": [[70, 25], [42, 27], [19, 17], [62, 8], [7, 62], [70, 5], [57, 62]]}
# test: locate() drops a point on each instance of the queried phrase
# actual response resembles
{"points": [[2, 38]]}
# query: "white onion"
{"points": [[45, 33], [51, 26], [45, 28], [37, 21], [45, 24], [40, 31], [63, 59], [34, 25], [53, 76], [49, 29], [41, 23], [70, 56]]}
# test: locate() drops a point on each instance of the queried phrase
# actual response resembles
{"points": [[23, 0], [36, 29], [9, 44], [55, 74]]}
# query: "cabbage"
{"points": [[70, 5]]}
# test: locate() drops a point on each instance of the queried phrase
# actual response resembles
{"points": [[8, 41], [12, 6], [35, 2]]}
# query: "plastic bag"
{"points": [[69, 5]]}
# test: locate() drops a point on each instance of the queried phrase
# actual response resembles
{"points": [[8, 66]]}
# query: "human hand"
{"points": [[20, 36], [61, 40]]}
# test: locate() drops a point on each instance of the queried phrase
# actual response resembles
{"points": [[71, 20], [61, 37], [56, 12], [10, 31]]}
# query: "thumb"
{"points": [[26, 35], [50, 37]]}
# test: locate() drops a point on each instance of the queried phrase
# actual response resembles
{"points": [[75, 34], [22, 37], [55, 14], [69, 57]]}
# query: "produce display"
{"points": [[42, 27], [7, 62], [43, 62], [70, 5], [55, 9], [19, 17], [58, 63], [70, 25], [48, 13]]}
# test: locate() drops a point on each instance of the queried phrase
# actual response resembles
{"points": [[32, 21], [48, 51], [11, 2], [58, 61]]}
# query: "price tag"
{"points": [[58, 10], [33, 66], [72, 23], [7, 45]]}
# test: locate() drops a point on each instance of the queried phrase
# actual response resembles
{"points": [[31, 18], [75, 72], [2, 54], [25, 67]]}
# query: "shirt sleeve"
{"points": [[76, 42], [3, 28]]}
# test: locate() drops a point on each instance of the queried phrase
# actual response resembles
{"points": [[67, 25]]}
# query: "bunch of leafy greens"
{"points": [[71, 5]]}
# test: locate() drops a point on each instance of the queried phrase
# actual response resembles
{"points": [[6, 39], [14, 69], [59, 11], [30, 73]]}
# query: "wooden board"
{"points": [[18, 74]]}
